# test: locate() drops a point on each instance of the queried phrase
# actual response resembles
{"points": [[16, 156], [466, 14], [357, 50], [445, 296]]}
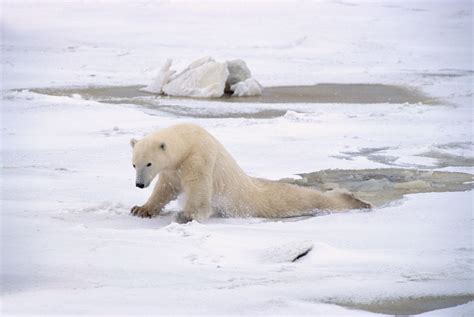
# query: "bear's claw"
{"points": [[141, 212], [183, 217]]}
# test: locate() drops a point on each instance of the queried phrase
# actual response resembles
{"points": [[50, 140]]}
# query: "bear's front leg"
{"points": [[166, 189]]}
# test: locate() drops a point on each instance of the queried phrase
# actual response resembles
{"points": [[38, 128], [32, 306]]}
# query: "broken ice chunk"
{"points": [[249, 87]]}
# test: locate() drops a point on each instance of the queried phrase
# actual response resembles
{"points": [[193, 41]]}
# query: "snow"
{"points": [[68, 243]]}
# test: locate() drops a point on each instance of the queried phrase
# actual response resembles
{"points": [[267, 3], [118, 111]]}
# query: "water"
{"points": [[382, 185]]}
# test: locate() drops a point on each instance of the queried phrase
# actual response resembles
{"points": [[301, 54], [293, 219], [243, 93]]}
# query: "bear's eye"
{"points": [[149, 164], [162, 146], [133, 165]]}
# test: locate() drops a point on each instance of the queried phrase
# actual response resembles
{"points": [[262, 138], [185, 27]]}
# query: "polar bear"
{"points": [[189, 160]]}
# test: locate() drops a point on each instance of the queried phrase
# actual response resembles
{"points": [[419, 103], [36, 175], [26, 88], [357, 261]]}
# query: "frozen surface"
{"points": [[68, 243]]}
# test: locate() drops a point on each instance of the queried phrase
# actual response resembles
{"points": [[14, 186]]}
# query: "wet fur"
{"points": [[212, 181]]}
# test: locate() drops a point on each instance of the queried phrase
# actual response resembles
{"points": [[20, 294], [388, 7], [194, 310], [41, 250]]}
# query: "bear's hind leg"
{"points": [[198, 203], [198, 206], [197, 183]]}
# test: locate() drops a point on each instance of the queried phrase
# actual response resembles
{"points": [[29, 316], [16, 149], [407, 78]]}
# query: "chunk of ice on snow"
{"points": [[195, 64], [205, 78], [201, 79], [238, 71], [249, 87]]}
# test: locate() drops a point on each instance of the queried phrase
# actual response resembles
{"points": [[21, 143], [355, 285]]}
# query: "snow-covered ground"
{"points": [[69, 245]]}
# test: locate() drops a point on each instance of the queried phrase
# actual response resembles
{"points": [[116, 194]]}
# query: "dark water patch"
{"points": [[339, 93], [133, 95], [320, 93], [407, 306], [383, 185], [96, 92]]}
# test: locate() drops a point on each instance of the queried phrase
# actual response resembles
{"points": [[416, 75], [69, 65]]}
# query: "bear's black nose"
{"points": [[140, 185]]}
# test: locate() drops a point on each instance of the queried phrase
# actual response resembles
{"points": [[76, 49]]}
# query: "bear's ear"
{"points": [[162, 146], [133, 142]]}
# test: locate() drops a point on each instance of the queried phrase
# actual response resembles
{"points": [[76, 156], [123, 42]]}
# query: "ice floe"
{"points": [[205, 78]]}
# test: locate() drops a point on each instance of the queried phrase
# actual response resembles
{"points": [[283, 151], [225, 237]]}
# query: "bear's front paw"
{"points": [[141, 212], [183, 217]]}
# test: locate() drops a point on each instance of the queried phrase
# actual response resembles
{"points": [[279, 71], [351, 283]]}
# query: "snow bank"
{"points": [[205, 78]]}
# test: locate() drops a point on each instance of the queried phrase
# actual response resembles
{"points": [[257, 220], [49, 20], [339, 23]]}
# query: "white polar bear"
{"points": [[191, 161]]}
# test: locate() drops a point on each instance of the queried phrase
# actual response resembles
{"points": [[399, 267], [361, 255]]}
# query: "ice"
{"points": [[238, 71], [204, 78], [162, 78], [68, 243], [249, 87]]}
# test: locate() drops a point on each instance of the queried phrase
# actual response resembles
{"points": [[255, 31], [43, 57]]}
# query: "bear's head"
{"points": [[150, 157]]}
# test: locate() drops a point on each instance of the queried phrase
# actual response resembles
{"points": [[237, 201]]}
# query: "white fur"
{"points": [[195, 163]]}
